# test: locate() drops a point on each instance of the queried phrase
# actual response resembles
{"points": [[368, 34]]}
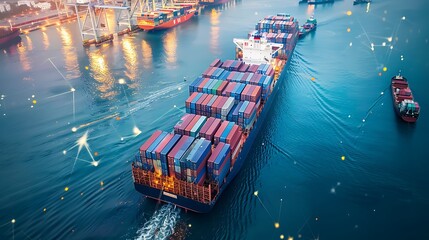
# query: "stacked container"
{"points": [[219, 163], [196, 161]]}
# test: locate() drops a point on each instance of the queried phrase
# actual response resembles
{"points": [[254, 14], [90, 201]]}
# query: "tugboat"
{"points": [[355, 2], [308, 26], [403, 100]]}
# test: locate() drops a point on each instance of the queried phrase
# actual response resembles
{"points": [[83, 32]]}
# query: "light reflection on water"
{"points": [[101, 73], [214, 31], [170, 46], [147, 54], [130, 57], [69, 52]]}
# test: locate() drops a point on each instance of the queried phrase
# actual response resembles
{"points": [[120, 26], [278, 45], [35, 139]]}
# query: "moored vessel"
{"points": [[227, 106], [403, 100], [355, 2], [314, 2], [166, 17], [8, 34]]}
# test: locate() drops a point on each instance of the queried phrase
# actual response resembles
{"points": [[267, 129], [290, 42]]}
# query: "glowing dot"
{"points": [[383, 44], [348, 29], [349, 13], [81, 193], [32, 106], [350, 116], [282, 236], [86, 67], [13, 221], [44, 210], [136, 131], [403, 18], [256, 13], [332, 191], [34, 101], [32, 96], [312, 79], [276, 225], [62, 198], [379, 74], [299, 236], [64, 152], [72, 89], [95, 153], [179, 88], [382, 93], [74, 129], [255, 193], [389, 39], [121, 81], [118, 118], [101, 183], [317, 219], [27, 99], [94, 163], [338, 183], [351, 44], [290, 238], [122, 139], [343, 158], [66, 189], [384, 69], [189, 225], [391, 47]]}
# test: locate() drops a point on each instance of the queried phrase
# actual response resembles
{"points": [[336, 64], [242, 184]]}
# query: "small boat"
{"points": [[403, 100], [313, 2], [308, 26], [355, 2]]}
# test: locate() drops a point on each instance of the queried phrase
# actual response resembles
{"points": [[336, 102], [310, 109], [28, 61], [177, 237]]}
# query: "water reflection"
{"points": [[23, 49], [310, 9], [101, 72], [214, 31], [130, 57], [69, 53], [147, 54], [170, 45], [45, 40]]}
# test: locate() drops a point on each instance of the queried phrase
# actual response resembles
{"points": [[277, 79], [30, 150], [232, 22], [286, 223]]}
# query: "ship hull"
{"points": [[168, 24], [199, 207], [214, 3], [9, 38]]}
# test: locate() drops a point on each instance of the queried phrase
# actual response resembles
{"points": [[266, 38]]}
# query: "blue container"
{"points": [[169, 147], [239, 91], [150, 153], [210, 87], [180, 154], [194, 101], [201, 153], [224, 75], [242, 108], [198, 125], [209, 105], [249, 77], [206, 86], [226, 132], [194, 84]]}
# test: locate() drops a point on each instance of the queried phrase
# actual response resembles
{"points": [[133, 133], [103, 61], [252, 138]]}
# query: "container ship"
{"points": [[166, 17], [403, 100], [8, 34], [212, 2], [308, 26], [228, 103]]}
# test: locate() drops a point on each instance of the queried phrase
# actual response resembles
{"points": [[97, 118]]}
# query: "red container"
{"points": [[210, 73], [253, 68], [206, 127], [256, 94], [204, 104], [191, 125], [220, 131], [228, 89], [198, 103], [212, 129], [149, 142], [216, 63], [206, 71], [189, 100], [221, 88], [255, 79], [173, 152], [180, 127], [221, 103], [215, 106], [245, 93], [243, 68], [245, 76], [215, 154], [200, 87], [230, 76], [249, 110], [227, 64], [162, 145]]}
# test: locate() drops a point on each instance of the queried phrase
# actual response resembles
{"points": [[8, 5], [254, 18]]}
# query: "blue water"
{"points": [[335, 103]]}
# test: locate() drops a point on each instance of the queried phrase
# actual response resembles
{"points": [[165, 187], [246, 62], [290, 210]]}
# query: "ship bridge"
{"points": [[257, 49]]}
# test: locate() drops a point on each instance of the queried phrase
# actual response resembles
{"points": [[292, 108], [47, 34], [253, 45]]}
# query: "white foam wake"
{"points": [[160, 225]]}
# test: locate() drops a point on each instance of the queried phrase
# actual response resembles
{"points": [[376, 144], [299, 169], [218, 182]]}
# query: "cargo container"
{"points": [[193, 171]]}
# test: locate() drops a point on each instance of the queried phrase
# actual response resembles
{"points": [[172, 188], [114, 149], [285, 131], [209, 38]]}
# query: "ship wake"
{"points": [[161, 224]]}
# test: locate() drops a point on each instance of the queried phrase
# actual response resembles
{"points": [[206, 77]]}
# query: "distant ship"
{"points": [[361, 1], [403, 100], [308, 26], [166, 17], [319, 1], [212, 2], [7, 35]]}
